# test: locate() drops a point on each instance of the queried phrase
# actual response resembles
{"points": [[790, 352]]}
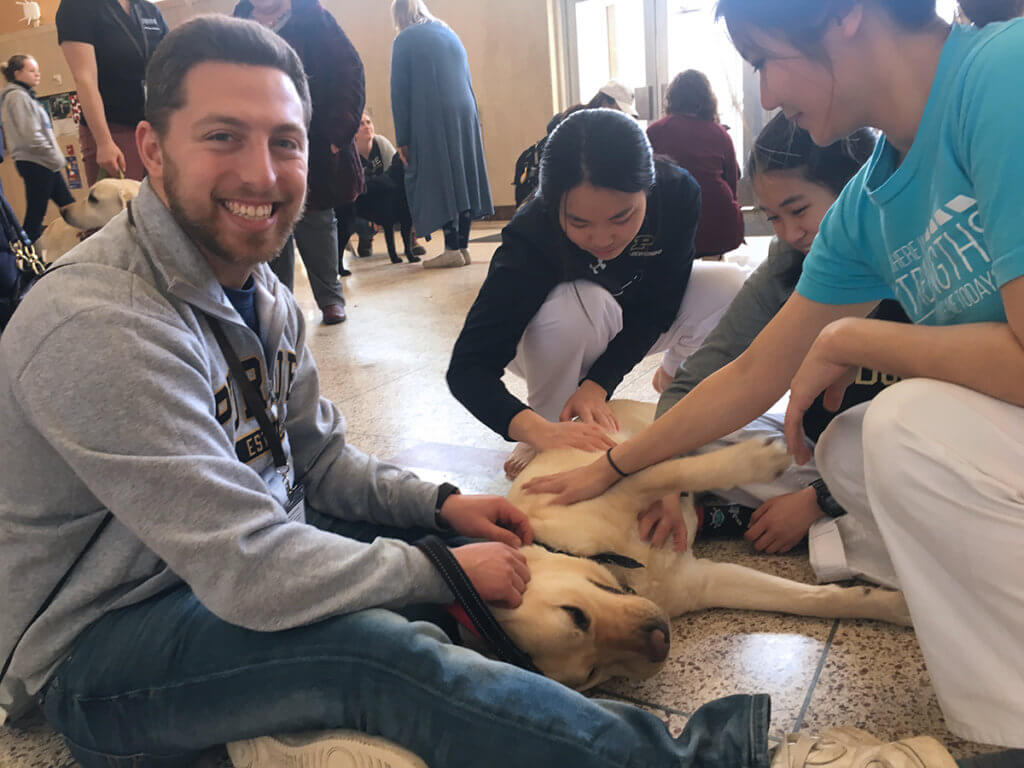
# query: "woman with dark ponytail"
{"points": [[29, 140], [933, 220], [593, 274]]}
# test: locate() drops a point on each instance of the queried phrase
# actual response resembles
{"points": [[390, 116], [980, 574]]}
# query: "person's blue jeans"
{"points": [[155, 684]]}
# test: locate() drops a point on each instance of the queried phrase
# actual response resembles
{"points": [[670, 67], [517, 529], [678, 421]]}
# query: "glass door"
{"points": [[611, 40], [645, 43]]}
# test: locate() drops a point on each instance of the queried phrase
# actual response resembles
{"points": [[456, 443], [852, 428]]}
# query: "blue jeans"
{"points": [[155, 684]]}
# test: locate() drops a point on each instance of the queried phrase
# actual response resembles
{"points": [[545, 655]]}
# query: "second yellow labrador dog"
{"points": [[106, 199], [584, 622]]}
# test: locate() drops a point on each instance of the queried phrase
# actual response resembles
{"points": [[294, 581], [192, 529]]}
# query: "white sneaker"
{"points": [[321, 749], [465, 256], [446, 259], [853, 748]]}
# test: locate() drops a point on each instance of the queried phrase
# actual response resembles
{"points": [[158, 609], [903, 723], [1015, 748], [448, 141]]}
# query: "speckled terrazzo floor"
{"points": [[385, 370]]}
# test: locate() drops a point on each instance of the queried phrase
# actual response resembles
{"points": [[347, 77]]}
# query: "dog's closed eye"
{"points": [[623, 590], [92, 198], [579, 618]]}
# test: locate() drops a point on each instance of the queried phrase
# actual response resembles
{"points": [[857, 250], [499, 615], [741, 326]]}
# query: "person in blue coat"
{"points": [[437, 130]]}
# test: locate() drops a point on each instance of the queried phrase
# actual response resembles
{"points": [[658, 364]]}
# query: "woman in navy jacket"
{"points": [[592, 275]]}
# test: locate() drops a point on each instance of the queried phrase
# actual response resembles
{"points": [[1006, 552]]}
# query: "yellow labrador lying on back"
{"points": [[586, 620]]}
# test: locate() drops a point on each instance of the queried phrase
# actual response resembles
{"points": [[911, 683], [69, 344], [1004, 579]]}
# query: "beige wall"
{"points": [[509, 43]]}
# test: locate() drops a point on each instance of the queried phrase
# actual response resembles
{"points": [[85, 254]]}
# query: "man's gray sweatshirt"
{"points": [[114, 395], [28, 131]]}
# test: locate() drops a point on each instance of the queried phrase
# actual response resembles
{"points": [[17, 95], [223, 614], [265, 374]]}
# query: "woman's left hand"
{"points": [[590, 404], [822, 370]]}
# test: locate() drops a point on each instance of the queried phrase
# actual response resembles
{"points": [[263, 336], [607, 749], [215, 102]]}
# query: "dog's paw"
{"points": [[764, 458]]}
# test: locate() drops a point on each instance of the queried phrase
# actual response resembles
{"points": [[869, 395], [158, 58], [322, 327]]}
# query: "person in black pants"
{"points": [[28, 134]]}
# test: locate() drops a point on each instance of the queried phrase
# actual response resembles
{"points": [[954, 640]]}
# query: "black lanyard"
{"points": [[254, 400]]}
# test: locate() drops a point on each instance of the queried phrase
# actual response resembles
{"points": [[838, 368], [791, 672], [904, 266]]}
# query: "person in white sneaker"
{"points": [[437, 130], [932, 220], [593, 274]]}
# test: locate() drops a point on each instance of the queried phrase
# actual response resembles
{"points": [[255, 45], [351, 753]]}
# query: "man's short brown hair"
{"points": [[215, 38]]}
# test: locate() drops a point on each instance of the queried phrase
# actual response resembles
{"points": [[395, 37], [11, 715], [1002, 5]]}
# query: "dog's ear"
{"points": [[613, 558]]}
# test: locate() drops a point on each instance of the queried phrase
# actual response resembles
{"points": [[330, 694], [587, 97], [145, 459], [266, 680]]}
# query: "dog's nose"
{"points": [[658, 642]]}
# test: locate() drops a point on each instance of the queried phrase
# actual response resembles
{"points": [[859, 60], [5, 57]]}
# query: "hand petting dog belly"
{"points": [[584, 621]]}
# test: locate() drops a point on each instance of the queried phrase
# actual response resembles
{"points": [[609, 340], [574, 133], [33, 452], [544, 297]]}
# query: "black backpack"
{"points": [[528, 171], [20, 267]]}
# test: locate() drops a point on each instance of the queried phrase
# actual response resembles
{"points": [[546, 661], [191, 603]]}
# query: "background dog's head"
{"points": [[579, 625], [107, 198]]}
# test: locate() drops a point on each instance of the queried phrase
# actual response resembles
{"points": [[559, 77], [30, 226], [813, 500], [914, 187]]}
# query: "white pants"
{"points": [[943, 470], [853, 544], [576, 322]]}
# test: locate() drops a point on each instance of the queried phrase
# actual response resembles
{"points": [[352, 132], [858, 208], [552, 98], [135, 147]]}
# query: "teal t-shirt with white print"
{"points": [[944, 231]]}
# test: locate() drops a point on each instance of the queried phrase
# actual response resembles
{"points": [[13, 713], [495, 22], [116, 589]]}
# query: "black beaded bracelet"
{"points": [[608, 455]]}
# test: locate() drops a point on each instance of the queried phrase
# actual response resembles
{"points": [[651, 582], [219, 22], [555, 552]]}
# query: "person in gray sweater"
{"points": [[29, 141], [795, 181], [176, 576]]}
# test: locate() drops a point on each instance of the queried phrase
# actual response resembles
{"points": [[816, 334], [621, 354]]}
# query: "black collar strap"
{"points": [[603, 558], [490, 630]]}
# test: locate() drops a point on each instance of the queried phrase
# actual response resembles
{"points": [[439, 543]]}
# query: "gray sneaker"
{"points": [[321, 749], [466, 259], [853, 748]]}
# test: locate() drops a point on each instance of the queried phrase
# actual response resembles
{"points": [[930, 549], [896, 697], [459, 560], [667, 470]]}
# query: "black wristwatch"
{"points": [[825, 500], [444, 490]]}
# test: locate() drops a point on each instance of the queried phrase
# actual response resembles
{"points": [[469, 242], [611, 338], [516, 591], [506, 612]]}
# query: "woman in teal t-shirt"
{"points": [[933, 220]]}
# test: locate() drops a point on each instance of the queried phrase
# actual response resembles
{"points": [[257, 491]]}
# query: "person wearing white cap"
{"points": [[615, 95]]}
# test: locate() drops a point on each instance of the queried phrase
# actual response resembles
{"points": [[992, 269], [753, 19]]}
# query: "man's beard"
{"points": [[201, 226]]}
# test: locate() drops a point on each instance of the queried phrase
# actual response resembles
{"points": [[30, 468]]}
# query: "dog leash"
{"points": [[483, 621]]}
